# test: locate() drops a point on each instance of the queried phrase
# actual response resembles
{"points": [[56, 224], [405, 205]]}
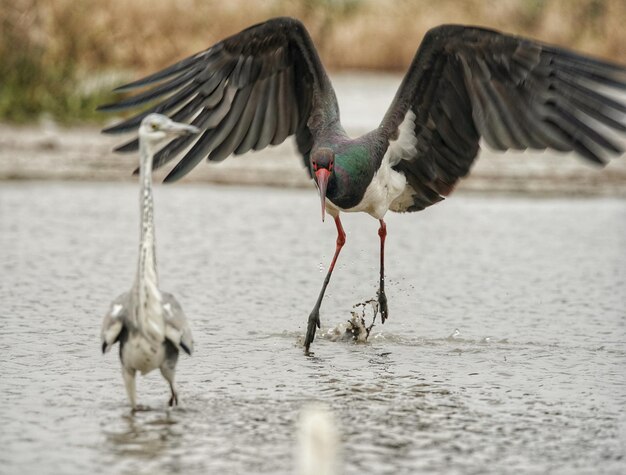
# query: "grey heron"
{"points": [[149, 324]]}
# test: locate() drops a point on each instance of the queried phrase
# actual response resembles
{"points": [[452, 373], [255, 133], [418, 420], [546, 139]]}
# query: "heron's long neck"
{"points": [[146, 284], [146, 271]]}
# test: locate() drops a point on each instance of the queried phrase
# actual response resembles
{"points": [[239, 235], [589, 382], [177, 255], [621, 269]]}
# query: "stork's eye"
{"points": [[155, 126], [314, 165]]}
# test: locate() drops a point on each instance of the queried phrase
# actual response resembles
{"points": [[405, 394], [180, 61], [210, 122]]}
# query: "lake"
{"points": [[504, 351]]}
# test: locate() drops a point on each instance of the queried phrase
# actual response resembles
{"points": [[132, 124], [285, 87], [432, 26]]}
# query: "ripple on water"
{"points": [[532, 381]]}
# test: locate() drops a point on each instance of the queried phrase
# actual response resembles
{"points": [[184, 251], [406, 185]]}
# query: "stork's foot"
{"points": [[313, 325], [382, 305]]}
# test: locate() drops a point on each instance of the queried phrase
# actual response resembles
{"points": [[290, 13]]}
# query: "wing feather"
{"points": [[467, 82], [250, 90], [269, 119], [283, 115], [256, 123], [176, 326], [237, 135], [163, 107], [114, 321]]}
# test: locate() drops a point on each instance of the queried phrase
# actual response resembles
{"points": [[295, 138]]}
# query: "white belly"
{"points": [[386, 186], [141, 354]]}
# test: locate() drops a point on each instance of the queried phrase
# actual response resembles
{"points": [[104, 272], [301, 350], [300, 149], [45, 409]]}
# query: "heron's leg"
{"points": [[168, 371], [314, 317], [382, 298], [129, 381]]}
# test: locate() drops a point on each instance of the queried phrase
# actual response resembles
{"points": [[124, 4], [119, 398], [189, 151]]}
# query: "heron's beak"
{"points": [[177, 128], [322, 175]]}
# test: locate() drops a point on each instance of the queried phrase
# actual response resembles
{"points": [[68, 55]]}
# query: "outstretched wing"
{"points": [[248, 91], [176, 327], [114, 321], [466, 83]]}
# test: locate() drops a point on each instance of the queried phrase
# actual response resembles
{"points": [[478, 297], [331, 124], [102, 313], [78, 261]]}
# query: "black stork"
{"points": [[267, 82]]}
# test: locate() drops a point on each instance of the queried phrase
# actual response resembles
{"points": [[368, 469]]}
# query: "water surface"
{"points": [[533, 380]]}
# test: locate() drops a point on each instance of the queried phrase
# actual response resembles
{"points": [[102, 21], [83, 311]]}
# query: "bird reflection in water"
{"points": [[143, 435]]}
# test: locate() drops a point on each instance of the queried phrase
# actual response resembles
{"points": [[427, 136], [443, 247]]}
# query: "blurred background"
{"points": [[60, 59]]}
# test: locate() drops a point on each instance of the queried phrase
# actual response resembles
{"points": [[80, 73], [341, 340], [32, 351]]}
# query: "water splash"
{"points": [[355, 328]]}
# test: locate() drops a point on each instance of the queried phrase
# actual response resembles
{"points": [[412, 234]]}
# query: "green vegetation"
{"points": [[30, 88], [43, 65], [62, 57]]}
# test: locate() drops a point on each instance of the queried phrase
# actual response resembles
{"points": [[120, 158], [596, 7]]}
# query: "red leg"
{"points": [[341, 240], [314, 317], [382, 298]]}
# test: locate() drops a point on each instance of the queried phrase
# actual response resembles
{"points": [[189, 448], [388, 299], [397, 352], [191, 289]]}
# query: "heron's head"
{"points": [[155, 128], [322, 165]]}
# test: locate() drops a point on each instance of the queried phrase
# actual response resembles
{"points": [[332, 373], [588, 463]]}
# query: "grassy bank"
{"points": [[62, 56]]}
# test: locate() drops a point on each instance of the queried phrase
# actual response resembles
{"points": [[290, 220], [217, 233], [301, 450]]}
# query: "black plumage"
{"points": [[266, 83]]}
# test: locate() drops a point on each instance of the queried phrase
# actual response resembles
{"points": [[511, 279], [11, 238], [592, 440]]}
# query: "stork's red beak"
{"points": [[322, 176]]}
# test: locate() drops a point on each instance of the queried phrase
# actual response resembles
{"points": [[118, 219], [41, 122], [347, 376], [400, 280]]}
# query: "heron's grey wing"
{"points": [[176, 327], [246, 92], [114, 321], [466, 83]]}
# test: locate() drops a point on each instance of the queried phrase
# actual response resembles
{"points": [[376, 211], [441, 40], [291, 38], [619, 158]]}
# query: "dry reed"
{"points": [[49, 48]]}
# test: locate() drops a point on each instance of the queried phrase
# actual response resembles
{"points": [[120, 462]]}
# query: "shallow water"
{"points": [[533, 380]]}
